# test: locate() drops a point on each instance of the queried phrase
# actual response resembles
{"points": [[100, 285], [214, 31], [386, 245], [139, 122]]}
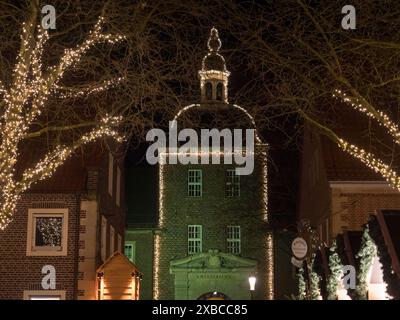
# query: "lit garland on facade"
{"points": [[24, 102], [270, 266], [269, 238], [156, 278], [210, 74]]}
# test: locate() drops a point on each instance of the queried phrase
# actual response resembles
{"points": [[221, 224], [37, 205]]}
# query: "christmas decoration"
{"points": [[369, 159], [335, 269], [366, 255], [24, 100], [49, 231], [302, 294], [315, 293]]}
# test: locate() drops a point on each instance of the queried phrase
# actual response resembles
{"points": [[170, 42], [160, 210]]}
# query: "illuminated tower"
{"points": [[213, 229]]}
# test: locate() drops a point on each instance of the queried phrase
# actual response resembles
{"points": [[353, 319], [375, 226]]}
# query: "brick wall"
{"points": [[214, 212], [143, 259], [352, 206], [19, 272]]}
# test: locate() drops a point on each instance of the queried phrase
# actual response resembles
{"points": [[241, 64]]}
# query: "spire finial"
{"points": [[214, 43], [213, 73]]}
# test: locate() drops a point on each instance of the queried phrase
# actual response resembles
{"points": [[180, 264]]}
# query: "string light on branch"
{"points": [[378, 115], [90, 90], [25, 100], [373, 163]]}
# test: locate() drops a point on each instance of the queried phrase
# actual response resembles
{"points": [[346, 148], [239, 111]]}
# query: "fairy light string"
{"points": [[369, 159], [25, 99]]}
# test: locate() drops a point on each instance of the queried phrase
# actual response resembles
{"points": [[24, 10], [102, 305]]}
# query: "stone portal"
{"points": [[204, 274]]}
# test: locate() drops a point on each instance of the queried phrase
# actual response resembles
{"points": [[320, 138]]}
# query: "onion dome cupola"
{"points": [[213, 74]]}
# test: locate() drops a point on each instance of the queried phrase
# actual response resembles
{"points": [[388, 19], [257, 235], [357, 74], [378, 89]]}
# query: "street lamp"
{"points": [[252, 283]]}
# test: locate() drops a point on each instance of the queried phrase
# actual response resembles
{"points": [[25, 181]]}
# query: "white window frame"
{"points": [[195, 188], [232, 180], [119, 244], [234, 236], [193, 241], [44, 294], [112, 240], [110, 173], [103, 238], [31, 249], [118, 188], [132, 244]]}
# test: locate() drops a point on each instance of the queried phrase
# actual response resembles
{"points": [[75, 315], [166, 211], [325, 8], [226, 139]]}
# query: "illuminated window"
{"points": [[233, 239], [208, 91], [232, 184], [47, 232], [194, 239], [110, 173], [219, 91], [195, 184], [130, 250], [44, 295]]}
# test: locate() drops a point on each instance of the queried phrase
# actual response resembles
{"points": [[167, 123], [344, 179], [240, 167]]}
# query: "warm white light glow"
{"points": [[24, 102], [376, 285], [156, 279], [252, 283]]}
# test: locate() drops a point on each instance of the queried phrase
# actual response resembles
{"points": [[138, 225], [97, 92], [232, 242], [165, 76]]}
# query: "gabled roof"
{"points": [[118, 257], [70, 177], [358, 129]]}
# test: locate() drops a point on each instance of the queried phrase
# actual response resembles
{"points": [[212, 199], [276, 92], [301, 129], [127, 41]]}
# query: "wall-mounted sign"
{"points": [[299, 248]]}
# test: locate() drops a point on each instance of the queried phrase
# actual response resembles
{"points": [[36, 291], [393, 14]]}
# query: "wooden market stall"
{"points": [[118, 279]]}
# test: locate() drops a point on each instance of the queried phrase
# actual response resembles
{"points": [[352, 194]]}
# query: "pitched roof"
{"points": [[340, 166], [358, 129], [69, 177]]}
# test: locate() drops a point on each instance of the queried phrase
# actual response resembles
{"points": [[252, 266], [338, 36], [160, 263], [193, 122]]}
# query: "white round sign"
{"points": [[297, 263], [299, 248]]}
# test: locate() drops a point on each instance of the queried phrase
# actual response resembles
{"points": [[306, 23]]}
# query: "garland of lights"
{"points": [[214, 44], [380, 116], [365, 157], [24, 101], [302, 288], [315, 279], [335, 268], [366, 255]]}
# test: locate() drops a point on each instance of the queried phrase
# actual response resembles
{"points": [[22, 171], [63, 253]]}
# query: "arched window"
{"points": [[208, 91], [219, 91]]}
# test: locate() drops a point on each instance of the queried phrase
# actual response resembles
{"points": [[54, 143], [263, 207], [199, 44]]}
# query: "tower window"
{"points": [[232, 187], [195, 239], [208, 91], [195, 183], [234, 240], [219, 91]]}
